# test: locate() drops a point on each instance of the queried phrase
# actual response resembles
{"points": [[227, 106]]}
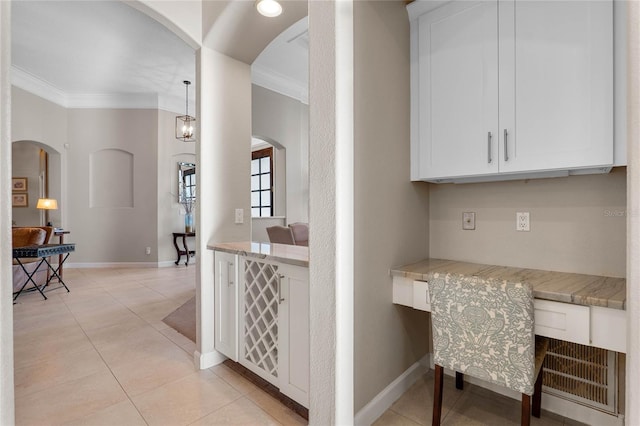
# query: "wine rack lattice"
{"points": [[261, 316]]}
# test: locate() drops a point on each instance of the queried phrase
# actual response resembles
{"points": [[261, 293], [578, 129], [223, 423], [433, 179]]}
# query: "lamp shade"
{"points": [[47, 204]]}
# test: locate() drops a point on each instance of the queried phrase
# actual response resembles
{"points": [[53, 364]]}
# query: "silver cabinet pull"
{"points": [[506, 154], [280, 298], [488, 147], [229, 275]]}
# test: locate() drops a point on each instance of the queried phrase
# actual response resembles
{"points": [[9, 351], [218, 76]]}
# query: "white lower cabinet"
{"points": [[271, 311], [293, 326], [225, 271]]}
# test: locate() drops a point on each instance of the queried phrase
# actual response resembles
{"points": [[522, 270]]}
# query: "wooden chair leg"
{"points": [[526, 410], [537, 395], [459, 380], [437, 395]]}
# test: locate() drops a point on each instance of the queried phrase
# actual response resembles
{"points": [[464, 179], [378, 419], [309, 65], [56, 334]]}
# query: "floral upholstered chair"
{"points": [[484, 328]]}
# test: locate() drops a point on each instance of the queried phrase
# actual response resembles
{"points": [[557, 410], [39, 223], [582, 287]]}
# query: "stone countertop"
{"points": [[578, 289], [283, 253]]}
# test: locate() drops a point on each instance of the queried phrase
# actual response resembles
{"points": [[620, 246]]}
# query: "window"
{"points": [[262, 183]]}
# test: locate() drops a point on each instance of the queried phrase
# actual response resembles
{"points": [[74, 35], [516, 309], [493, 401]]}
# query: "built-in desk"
{"points": [[585, 309]]}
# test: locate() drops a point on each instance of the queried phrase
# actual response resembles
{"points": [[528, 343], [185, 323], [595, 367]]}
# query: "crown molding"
{"points": [[280, 83], [32, 84], [42, 88]]}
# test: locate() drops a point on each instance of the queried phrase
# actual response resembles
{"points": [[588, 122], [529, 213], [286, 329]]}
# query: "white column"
{"points": [[331, 186], [6, 276], [632, 408], [223, 155]]}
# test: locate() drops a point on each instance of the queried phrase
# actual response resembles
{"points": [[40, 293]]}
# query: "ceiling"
{"points": [[107, 54]]}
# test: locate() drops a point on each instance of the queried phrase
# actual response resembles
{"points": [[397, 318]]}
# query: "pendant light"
{"points": [[185, 124]]}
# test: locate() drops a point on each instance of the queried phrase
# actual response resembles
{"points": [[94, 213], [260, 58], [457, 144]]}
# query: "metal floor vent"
{"points": [[582, 374], [260, 334]]}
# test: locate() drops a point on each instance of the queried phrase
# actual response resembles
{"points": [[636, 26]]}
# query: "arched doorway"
{"points": [[40, 166]]}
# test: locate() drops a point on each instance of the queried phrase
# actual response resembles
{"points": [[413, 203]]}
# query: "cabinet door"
{"points": [[293, 332], [458, 90], [556, 84], [226, 302]]}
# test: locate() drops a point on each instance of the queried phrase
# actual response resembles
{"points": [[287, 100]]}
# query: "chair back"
{"points": [[280, 235], [300, 233], [30, 235], [484, 328]]}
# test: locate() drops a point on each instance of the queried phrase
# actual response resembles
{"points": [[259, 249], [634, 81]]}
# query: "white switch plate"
{"points": [[522, 221], [239, 216], [147, 250], [468, 220]]}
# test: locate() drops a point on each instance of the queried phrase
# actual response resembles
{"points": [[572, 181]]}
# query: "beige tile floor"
{"points": [[101, 355]]}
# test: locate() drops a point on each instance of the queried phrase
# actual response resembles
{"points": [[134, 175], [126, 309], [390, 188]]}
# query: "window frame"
{"points": [[258, 155]]}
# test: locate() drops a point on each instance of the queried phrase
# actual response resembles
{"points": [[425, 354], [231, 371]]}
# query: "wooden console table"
{"points": [[186, 250]]}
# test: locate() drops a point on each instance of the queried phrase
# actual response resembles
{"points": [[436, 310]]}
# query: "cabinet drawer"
{"points": [[421, 299], [562, 321], [403, 291]]}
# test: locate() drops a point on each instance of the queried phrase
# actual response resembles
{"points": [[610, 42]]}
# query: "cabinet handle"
{"points": [[230, 281], [506, 155], [280, 298], [488, 147]]}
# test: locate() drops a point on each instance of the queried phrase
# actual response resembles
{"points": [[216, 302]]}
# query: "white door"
{"points": [[226, 302], [458, 90], [293, 333], [556, 84]]}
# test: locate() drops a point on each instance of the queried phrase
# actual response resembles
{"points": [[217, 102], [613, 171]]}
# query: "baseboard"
{"points": [[381, 402], [98, 265], [569, 409], [110, 265], [207, 360]]}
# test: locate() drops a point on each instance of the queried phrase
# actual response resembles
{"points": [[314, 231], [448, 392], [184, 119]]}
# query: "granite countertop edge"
{"points": [[275, 257], [589, 294]]}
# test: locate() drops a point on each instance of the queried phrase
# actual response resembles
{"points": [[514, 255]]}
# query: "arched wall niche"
{"points": [[44, 173]]}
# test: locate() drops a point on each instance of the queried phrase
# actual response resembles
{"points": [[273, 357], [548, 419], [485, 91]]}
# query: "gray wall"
{"points": [[72, 137], [391, 213], [113, 222], [578, 223], [286, 121]]}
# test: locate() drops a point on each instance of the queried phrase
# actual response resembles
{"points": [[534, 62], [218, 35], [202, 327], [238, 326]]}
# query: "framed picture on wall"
{"points": [[19, 184], [20, 200]]}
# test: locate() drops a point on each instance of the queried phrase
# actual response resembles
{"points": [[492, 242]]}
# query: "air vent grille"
{"points": [[582, 374]]}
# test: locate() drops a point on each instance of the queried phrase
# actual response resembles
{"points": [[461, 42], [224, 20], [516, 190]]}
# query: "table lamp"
{"points": [[47, 204]]}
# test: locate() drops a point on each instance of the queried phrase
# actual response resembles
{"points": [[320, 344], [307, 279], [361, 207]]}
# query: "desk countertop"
{"points": [[284, 253], [578, 289]]}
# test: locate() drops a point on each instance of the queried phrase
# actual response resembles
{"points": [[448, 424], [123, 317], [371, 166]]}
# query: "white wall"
{"points": [[578, 223], [391, 213], [7, 411], [285, 120]]}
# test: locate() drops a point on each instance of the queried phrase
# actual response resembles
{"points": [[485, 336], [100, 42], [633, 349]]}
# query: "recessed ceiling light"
{"points": [[269, 8]]}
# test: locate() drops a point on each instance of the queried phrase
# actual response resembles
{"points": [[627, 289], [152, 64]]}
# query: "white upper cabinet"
{"points": [[511, 89]]}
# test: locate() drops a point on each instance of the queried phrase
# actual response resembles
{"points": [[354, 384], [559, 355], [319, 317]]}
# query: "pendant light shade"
{"points": [[185, 124]]}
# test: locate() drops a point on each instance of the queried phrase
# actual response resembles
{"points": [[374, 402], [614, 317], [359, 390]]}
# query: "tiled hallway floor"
{"points": [[101, 355]]}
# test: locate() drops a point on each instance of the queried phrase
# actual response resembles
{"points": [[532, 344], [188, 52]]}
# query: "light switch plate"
{"points": [[239, 216], [468, 221]]}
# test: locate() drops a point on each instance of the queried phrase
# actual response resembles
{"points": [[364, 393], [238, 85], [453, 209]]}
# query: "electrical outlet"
{"points": [[522, 221], [469, 220], [239, 216], [147, 250]]}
